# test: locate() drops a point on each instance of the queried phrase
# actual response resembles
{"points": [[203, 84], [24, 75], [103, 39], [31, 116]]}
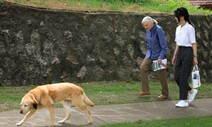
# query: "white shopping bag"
{"points": [[195, 77]]}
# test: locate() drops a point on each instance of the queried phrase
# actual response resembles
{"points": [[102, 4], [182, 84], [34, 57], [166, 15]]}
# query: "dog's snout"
{"points": [[21, 111]]}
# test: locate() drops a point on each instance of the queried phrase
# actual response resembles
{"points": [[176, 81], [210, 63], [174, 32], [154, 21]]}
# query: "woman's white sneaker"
{"points": [[192, 95], [182, 104]]}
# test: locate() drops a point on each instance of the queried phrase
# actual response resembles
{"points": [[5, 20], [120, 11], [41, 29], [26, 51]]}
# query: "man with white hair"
{"points": [[157, 48]]}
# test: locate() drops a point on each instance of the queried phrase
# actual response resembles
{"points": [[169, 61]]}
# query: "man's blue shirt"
{"points": [[156, 43]]}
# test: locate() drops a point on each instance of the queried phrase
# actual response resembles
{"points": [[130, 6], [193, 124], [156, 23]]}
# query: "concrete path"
{"points": [[112, 114]]}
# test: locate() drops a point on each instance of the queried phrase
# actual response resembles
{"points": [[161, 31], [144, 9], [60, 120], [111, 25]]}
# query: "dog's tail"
{"points": [[88, 101]]}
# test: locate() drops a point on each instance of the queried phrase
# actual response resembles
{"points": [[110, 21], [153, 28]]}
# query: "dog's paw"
{"points": [[61, 122], [90, 122], [19, 123]]}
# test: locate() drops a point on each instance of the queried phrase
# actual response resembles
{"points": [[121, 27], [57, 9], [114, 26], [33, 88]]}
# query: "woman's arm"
{"points": [[194, 47], [175, 55]]}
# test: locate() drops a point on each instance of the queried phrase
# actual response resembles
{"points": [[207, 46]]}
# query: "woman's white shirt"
{"points": [[185, 35]]}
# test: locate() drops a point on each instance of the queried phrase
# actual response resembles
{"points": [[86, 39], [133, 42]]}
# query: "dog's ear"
{"points": [[35, 106], [34, 99]]}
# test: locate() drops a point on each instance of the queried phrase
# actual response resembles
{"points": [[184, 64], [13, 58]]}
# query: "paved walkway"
{"points": [[112, 114]]}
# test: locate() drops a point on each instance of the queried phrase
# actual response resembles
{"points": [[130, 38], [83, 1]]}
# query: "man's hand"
{"points": [[159, 61]]}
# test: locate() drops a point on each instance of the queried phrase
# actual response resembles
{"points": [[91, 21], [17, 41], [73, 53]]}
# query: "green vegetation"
{"points": [[183, 122], [138, 6], [103, 93], [171, 5], [119, 92]]}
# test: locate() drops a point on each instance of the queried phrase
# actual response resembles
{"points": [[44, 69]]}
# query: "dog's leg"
{"points": [[51, 111], [88, 113], [67, 106], [26, 117]]}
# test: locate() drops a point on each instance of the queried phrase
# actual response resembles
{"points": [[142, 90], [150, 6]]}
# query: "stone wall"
{"points": [[40, 46]]}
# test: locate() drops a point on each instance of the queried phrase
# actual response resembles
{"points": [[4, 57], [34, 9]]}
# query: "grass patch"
{"points": [[103, 93], [118, 92], [138, 6], [183, 122], [171, 5]]}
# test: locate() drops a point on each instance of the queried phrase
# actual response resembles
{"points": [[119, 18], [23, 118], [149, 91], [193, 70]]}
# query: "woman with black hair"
{"points": [[185, 56]]}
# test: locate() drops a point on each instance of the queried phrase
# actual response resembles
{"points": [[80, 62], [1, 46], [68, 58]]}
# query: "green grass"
{"points": [[183, 122], [103, 93], [115, 92], [149, 6], [118, 92], [171, 5]]}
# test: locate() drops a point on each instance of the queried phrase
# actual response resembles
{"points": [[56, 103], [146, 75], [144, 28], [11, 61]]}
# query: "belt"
{"points": [[184, 46]]}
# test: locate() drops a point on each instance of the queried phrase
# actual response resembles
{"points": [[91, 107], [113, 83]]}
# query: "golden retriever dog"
{"points": [[46, 95]]}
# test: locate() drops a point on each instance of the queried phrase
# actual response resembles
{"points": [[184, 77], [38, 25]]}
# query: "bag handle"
{"points": [[195, 68]]}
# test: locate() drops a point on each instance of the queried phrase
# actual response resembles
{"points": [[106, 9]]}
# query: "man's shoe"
{"points": [[182, 104], [192, 95], [163, 97], [144, 93]]}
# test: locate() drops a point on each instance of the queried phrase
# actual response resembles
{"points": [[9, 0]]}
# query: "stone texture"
{"points": [[40, 46]]}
